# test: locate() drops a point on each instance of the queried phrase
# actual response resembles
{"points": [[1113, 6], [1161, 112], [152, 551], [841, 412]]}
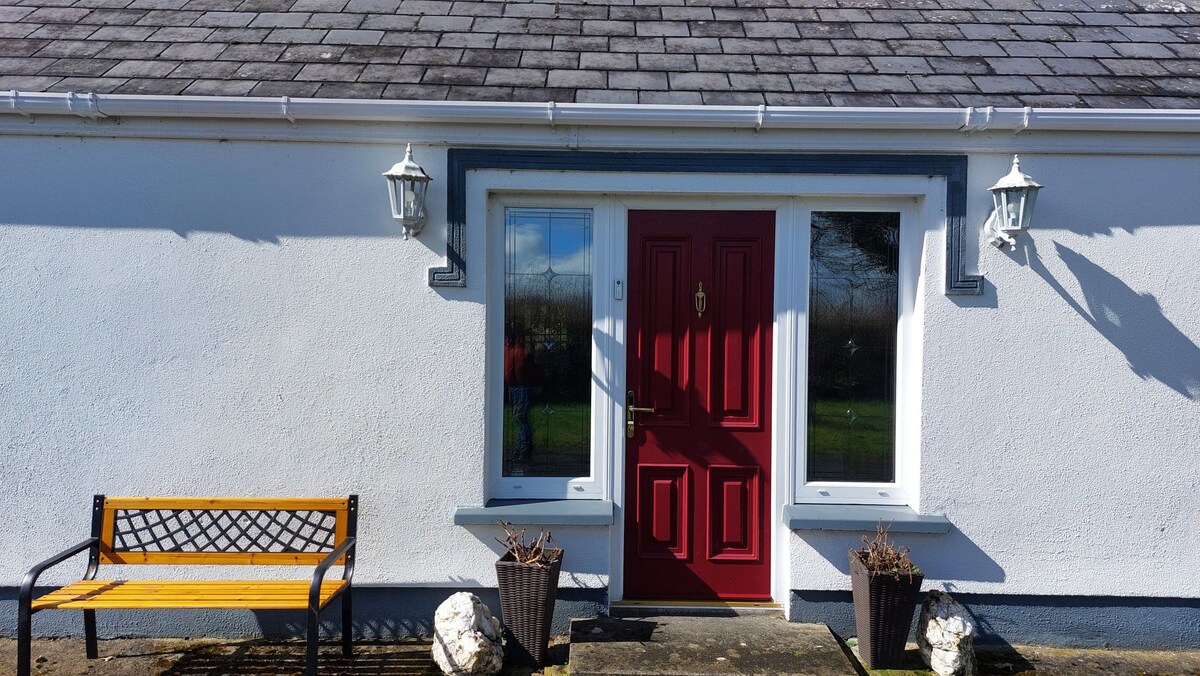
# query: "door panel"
{"points": [[699, 466]]}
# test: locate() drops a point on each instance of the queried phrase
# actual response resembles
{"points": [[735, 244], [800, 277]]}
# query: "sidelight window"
{"points": [[852, 320], [547, 348]]}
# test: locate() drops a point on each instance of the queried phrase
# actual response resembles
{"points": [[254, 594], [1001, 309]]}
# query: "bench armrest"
{"points": [[314, 590], [34, 573]]}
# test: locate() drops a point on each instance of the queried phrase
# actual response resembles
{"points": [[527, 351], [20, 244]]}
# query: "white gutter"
{"points": [[95, 106]]}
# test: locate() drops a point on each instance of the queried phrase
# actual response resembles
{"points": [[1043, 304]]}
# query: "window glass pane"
{"points": [[852, 346], [547, 342]]}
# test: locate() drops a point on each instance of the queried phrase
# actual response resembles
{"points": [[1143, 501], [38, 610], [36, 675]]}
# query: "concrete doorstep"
{"points": [[696, 646]]}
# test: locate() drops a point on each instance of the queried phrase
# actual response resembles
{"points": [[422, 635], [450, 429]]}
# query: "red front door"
{"points": [[698, 468]]}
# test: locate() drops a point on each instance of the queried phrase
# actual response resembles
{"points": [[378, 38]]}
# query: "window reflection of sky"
{"points": [[558, 240]]}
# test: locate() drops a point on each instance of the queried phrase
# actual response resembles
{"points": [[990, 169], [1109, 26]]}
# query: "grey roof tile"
{"points": [[391, 73], [330, 71], [900, 64], [671, 97], [805, 47], [311, 53], [98, 85], [219, 88], [1017, 66], [24, 66], [201, 51], [796, 99], [515, 77], [10, 47], [339, 36], [251, 53], [732, 98], [451, 75], [76, 32], [239, 35], [860, 47], [285, 88], [605, 96], [16, 30], [699, 81], [261, 71], [925, 100], [178, 34], [350, 90], [205, 69], [882, 83], [1030, 48], [503, 58], [1057, 53], [170, 17], [863, 99], [606, 61], [918, 48], [693, 45], [1086, 49], [1075, 66], [279, 19], [132, 50], [70, 48], [680, 62], [637, 80], [146, 86], [943, 83], [391, 22]]}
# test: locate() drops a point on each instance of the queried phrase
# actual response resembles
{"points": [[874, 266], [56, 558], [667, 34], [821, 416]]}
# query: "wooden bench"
{"points": [[232, 531]]}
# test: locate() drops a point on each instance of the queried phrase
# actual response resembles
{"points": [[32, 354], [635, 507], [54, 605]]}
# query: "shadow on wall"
{"points": [[951, 556], [255, 192], [1134, 323]]}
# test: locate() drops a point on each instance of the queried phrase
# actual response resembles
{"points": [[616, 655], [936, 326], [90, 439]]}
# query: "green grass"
{"points": [[862, 447]]}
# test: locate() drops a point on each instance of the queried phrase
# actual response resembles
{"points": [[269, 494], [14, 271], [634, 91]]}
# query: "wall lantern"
{"points": [[407, 183], [1013, 196]]}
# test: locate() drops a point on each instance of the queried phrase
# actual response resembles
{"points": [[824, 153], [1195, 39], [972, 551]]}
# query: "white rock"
{"points": [[467, 639], [946, 636]]}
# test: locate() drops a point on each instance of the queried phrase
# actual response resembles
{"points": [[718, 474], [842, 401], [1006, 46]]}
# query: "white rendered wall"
{"points": [[1061, 410], [242, 317]]}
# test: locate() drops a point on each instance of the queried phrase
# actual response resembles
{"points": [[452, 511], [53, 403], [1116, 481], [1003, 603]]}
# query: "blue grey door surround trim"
{"points": [[461, 160]]}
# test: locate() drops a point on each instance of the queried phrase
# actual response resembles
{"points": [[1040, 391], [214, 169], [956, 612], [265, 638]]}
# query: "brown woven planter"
{"points": [[883, 612], [527, 594]]}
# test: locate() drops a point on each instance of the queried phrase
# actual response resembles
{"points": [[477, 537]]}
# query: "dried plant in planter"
{"points": [[540, 552], [881, 556]]}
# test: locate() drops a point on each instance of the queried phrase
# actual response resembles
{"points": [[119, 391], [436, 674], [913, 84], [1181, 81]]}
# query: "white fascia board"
{"points": [[599, 115]]}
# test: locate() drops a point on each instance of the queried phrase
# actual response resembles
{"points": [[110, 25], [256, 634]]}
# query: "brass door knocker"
{"points": [[701, 301]]}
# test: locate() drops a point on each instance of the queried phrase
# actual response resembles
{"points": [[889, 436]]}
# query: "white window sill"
{"points": [[862, 518], [538, 513]]}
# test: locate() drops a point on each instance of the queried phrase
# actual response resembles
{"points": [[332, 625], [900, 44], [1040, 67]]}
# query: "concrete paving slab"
{"points": [[671, 645]]}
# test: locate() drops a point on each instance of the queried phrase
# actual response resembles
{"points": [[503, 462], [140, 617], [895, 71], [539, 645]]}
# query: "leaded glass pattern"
{"points": [[547, 342], [852, 323]]}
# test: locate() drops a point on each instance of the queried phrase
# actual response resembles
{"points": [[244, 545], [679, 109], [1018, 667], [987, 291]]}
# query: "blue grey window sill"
{"points": [[538, 513], [862, 518]]}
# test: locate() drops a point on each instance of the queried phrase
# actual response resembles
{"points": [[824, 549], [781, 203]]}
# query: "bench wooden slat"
{"points": [[218, 558], [248, 594], [315, 504]]}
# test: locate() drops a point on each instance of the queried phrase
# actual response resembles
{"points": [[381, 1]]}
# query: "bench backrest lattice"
{"points": [[239, 531]]}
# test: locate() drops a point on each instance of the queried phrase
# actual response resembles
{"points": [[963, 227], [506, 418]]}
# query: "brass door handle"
{"points": [[630, 411]]}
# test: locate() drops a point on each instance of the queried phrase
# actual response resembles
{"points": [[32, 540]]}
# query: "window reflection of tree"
{"points": [[548, 307], [852, 345]]}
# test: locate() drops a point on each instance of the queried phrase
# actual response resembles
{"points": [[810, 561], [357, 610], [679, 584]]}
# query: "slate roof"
{"points": [[945, 53]]}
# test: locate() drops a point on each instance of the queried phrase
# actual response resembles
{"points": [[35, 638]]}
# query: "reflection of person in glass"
{"points": [[520, 377]]}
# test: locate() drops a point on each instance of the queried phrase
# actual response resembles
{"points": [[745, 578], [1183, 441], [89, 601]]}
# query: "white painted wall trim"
{"points": [[970, 120]]}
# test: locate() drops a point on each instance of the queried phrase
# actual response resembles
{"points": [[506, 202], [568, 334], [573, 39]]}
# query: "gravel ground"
{"points": [[202, 657]]}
